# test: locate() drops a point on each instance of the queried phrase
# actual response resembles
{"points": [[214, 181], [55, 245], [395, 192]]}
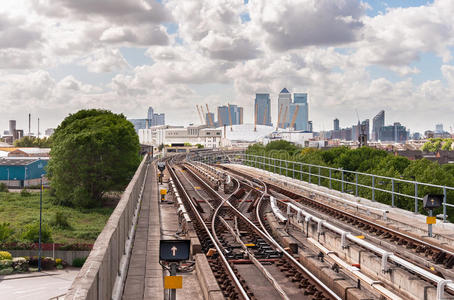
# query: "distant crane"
{"points": [[284, 121], [295, 113], [209, 116], [200, 114]]}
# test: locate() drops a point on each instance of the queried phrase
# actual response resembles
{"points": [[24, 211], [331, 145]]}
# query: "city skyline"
{"points": [[63, 56]]}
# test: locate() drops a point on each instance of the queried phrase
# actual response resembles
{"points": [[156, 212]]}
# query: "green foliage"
{"points": [[433, 145], [5, 232], [31, 233], [20, 211], [25, 193], [60, 220], [365, 160], [199, 146], [78, 262], [3, 188], [281, 145], [94, 151], [5, 255], [31, 141], [6, 271], [160, 147]]}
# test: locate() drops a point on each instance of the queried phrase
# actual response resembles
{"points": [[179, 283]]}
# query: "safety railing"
{"points": [[395, 191]]}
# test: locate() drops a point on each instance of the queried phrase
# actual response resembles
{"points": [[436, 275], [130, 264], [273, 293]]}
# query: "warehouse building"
{"points": [[21, 172]]}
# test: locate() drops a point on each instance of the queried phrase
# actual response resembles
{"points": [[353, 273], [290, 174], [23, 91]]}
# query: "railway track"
{"points": [[247, 262], [443, 257]]}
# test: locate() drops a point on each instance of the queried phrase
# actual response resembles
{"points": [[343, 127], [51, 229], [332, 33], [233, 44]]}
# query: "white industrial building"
{"points": [[167, 135]]}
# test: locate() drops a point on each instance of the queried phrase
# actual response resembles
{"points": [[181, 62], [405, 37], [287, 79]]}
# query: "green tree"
{"points": [[94, 151], [31, 141]]}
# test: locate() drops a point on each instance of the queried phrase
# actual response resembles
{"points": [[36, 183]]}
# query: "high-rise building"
{"points": [[158, 119], [302, 116], [439, 128], [236, 115], [283, 106], [300, 98], [209, 119], [393, 133], [365, 128], [378, 122], [336, 124], [12, 129], [150, 115], [262, 109]]}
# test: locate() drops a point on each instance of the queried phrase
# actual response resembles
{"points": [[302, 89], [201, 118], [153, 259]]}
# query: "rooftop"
{"points": [[285, 91], [16, 162]]}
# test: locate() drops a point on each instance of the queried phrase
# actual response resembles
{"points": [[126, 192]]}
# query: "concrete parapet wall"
{"points": [[97, 276]]}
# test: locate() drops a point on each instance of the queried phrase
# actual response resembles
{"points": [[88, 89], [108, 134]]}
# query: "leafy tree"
{"points": [[31, 141], [160, 147], [94, 151]]}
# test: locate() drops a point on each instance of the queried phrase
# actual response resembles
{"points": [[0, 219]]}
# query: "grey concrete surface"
{"points": [[37, 286]]}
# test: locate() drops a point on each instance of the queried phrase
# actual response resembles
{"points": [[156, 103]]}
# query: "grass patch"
{"points": [[68, 225]]}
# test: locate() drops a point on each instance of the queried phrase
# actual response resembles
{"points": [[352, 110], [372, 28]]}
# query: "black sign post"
{"points": [[174, 251], [431, 202]]}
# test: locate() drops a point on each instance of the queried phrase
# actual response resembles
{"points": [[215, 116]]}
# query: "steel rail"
{"points": [[273, 242], [251, 256], [386, 255], [229, 269]]}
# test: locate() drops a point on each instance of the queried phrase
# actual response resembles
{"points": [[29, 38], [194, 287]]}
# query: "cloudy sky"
{"points": [[58, 56]]}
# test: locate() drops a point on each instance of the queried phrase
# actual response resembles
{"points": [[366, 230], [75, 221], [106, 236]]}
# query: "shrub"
{"points": [[3, 188], [5, 232], [5, 255], [78, 262], [47, 263], [31, 233], [58, 261], [25, 193], [20, 264], [5, 263], [6, 271], [60, 220]]}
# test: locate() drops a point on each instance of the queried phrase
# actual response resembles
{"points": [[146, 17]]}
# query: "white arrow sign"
{"points": [[174, 250]]}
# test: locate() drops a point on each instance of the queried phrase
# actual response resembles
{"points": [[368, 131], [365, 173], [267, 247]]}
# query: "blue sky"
{"points": [[122, 55]]}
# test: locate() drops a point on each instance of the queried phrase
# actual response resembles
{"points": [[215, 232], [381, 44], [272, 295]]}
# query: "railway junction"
{"points": [[210, 226]]}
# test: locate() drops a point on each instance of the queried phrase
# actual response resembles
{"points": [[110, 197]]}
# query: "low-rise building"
{"points": [[166, 135], [22, 172]]}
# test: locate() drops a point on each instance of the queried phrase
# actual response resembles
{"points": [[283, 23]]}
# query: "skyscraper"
{"points": [[150, 115], [336, 124], [365, 128], [158, 119], [283, 106], [262, 109], [302, 115], [236, 115], [378, 122], [439, 128]]}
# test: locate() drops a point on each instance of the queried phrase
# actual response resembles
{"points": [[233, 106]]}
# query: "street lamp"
{"points": [[40, 222]]}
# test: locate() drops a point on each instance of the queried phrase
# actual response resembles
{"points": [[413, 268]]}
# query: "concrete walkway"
{"points": [[144, 279], [37, 286], [156, 220]]}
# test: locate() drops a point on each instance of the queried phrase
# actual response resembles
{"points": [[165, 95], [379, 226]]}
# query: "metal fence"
{"points": [[356, 183]]}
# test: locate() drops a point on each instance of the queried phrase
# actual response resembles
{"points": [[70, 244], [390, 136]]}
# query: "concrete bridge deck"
{"points": [[157, 220]]}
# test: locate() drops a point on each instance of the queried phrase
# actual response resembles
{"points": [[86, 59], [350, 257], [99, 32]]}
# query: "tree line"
{"points": [[366, 160]]}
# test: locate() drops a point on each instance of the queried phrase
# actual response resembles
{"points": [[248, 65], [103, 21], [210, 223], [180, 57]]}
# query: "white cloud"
{"points": [[105, 60]]}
